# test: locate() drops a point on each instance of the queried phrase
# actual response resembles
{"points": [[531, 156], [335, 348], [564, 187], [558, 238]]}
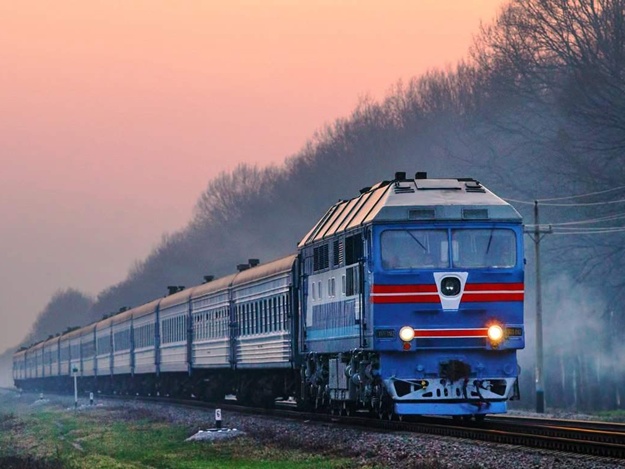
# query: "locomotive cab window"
{"points": [[414, 249], [481, 248], [484, 248]]}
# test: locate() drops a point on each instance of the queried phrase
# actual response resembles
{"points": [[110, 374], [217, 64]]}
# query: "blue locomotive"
{"points": [[405, 300]]}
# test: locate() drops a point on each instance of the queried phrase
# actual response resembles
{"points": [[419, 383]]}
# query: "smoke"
{"points": [[581, 356]]}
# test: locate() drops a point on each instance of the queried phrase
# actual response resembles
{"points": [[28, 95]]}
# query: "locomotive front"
{"points": [[446, 293], [412, 300]]}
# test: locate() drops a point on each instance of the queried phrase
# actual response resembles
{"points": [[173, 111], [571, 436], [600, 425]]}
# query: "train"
{"points": [[406, 299]]}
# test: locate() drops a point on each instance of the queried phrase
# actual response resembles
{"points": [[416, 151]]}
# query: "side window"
{"points": [[332, 287], [353, 249], [352, 281]]}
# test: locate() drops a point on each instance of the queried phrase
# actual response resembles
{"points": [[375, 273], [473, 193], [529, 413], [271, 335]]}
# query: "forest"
{"points": [[536, 112]]}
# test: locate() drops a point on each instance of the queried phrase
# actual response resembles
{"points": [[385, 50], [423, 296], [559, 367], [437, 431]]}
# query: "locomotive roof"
{"points": [[419, 199]]}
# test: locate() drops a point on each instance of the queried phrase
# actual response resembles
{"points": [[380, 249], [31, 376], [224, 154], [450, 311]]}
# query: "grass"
{"points": [[613, 415], [51, 437]]}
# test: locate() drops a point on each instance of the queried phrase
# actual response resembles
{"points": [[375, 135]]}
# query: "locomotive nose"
{"points": [[450, 286]]}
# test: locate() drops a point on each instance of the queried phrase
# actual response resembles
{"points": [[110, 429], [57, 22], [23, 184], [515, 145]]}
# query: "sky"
{"points": [[114, 115]]}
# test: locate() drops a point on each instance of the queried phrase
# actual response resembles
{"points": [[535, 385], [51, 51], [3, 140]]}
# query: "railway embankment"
{"points": [[49, 432]]}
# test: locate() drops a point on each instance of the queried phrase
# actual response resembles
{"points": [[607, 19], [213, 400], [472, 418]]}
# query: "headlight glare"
{"points": [[406, 333], [495, 333]]}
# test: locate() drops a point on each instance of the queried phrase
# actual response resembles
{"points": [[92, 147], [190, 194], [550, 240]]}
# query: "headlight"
{"points": [[495, 333], [406, 333]]}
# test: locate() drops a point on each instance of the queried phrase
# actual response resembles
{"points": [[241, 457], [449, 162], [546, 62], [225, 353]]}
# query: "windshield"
{"points": [[427, 249], [412, 249], [484, 248]]}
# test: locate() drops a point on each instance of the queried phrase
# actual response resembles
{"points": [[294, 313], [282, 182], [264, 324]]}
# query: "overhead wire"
{"points": [[568, 197], [581, 204], [587, 221], [569, 228], [618, 230], [588, 194]]}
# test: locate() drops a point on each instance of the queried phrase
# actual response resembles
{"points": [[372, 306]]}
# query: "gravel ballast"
{"points": [[365, 448]]}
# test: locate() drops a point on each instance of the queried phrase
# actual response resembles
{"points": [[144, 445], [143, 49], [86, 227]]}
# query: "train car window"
{"points": [[484, 248], [413, 249], [319, 290], [285, 308], [250, 318]]}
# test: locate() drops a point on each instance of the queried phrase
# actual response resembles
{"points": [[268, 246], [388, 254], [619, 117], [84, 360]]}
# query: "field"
{"points": [[43, 434]]}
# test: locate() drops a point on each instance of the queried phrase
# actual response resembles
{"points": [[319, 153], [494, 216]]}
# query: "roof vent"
{"points": [[365, 189], [253, 262], [400, 176], [475, 213], [421, 175], [171, 289], [399, 189], [422, 214], [242, 267], [209, 278], [474, 186]]}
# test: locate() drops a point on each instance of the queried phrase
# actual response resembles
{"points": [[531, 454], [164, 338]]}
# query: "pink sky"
{"points": [[115, 115]]}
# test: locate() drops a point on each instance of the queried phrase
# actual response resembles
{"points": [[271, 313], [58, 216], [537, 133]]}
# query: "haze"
{"points": [[115, 115]]}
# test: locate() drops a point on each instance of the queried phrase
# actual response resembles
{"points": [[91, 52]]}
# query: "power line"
{"points": [[587, 221], [588, 194], [590, 229], [586, 204], [591, 220], [577, 196], [580, 232]]}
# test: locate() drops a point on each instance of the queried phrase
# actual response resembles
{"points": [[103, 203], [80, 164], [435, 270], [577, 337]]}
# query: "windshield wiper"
{"points": [[417, 240]]}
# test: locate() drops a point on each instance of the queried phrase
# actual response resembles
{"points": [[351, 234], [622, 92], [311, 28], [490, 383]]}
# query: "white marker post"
{"points": [[75, 372], [217, 418], [90, 398]]}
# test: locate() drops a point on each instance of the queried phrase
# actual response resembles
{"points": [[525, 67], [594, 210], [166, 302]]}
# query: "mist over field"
{"points": [[536, 111]]}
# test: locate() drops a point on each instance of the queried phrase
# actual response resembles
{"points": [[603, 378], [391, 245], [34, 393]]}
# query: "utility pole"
{"points": [[537, 233]]}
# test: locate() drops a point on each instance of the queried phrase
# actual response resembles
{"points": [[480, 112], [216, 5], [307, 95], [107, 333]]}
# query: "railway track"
{"points": [[592, 438]]}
